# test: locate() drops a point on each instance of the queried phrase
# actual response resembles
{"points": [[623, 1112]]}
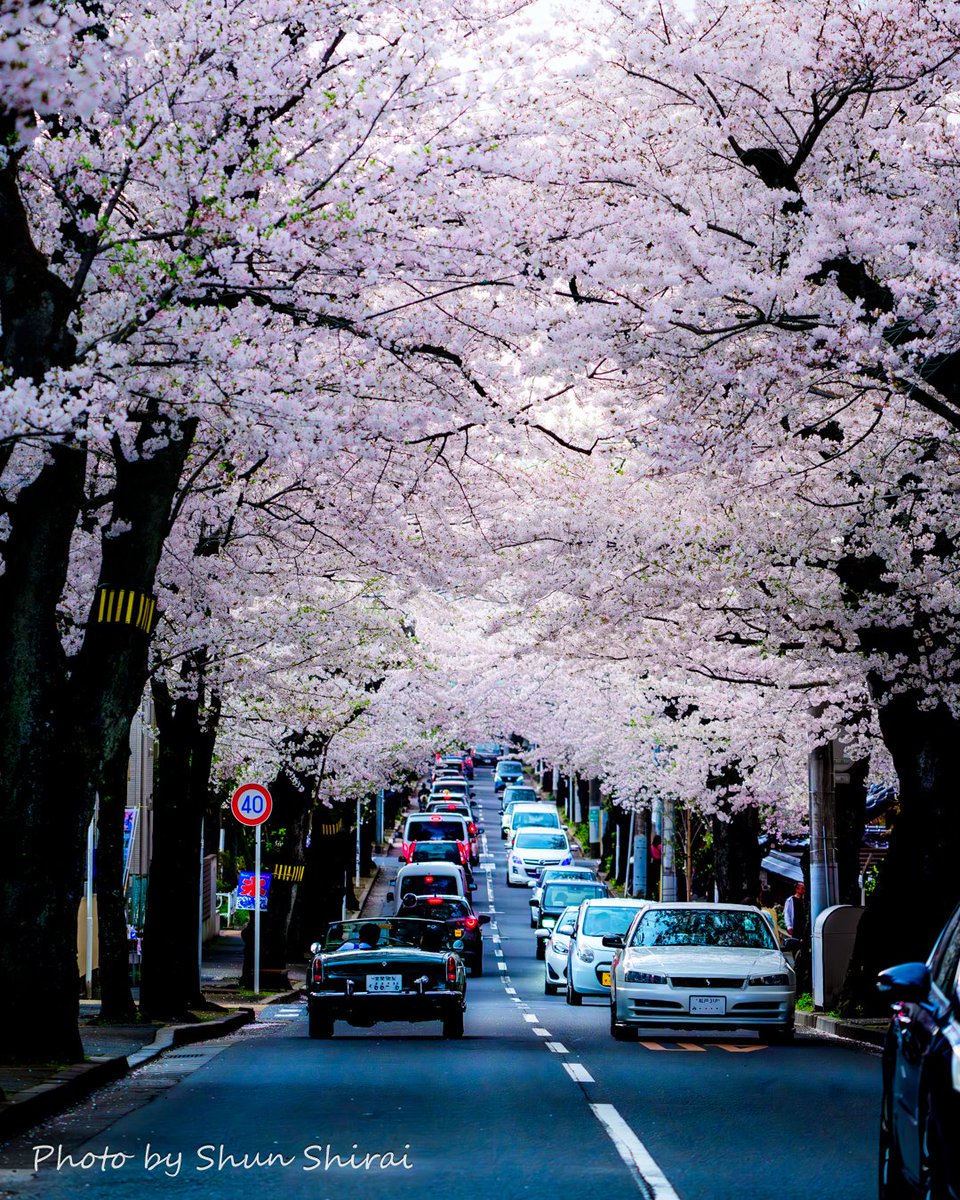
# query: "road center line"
{"points": [[541, 1032], [579, 1074], [557, 1048], [650, 1179], [534, 1020]]}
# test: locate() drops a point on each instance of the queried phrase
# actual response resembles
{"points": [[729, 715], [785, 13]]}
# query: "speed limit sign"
{"points": [[251, 804]]}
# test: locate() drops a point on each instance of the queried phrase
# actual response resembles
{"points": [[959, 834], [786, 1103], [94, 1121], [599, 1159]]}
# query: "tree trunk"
{"points": [[116, 999], [170, 977], [737, 856], [917, 886]]}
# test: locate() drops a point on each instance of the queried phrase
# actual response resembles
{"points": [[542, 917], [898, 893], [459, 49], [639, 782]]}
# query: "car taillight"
{"points": [[406, 849], [470, 922], [434, 899], [436, 817], [473, 829], [451, 969], [464, 849], [428, 879], [317, 972]]}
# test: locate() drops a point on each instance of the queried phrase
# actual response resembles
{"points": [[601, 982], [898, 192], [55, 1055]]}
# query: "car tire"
{"points": [[510, 882], [932, 1184], [319, 1025], [890, 1182], [619, 1031], [453, 1024], [781, 1035], [549, 989], [573, 996], [541, 949]]}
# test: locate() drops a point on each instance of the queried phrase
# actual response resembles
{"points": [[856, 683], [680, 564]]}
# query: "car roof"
{"points": [[533, 806], [703, 904], [438, 868], [619, 902]]}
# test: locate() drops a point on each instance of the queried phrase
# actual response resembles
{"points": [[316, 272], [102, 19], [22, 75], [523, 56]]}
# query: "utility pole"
{"points": [[824, 885], [668, 869]]}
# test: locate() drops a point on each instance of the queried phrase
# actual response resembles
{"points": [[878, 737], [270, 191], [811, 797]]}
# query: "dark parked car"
{"points": [[390, 969], [920, 1112]]}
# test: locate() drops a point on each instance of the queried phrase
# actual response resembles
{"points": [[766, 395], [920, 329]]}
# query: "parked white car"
{"points": [[702, 966], [588, 966], [556, 951], [534, 849]]}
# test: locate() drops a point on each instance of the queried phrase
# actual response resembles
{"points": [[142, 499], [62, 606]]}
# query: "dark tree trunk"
{"points": [[736, 856], [186, 728], [851, 814], [327, 861], [116, 999], [917, 886]]}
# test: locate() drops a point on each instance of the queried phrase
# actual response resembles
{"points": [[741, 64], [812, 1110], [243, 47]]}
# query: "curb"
{"points": [[353, 914], [837, 1027], [76, 1082]]}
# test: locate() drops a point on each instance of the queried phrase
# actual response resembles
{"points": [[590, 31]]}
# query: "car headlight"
{"points": [[560, 945], [781, 980], [585, 954], [643, 977], [549, 922]]}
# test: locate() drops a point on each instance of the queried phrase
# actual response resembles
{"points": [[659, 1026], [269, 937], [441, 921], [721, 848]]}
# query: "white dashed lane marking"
{"points": [[578, 1073]]}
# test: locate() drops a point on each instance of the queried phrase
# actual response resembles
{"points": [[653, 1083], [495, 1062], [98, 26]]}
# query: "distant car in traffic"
{"points": [[588, 966], [426, 827], [485, 754], [518, 793], [584, 873], [532, 816], [534, 849], [701, 966], [508, 771], [429, 879], [390, 969], [560, 894], [920, 1109], [557, 950]]}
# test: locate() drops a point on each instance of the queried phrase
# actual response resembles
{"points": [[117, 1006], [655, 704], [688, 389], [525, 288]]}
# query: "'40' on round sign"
{"points": [[251, 804]]}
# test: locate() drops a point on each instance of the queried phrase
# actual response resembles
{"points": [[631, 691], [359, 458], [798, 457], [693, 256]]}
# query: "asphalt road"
{"points": [[537, 1100]]}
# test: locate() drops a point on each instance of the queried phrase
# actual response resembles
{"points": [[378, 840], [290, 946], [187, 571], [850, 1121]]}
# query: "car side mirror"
{"points": [[908, 981], [483, 919], [531, 900], [542, 934], [532, 883], [790, 945], [473, 887], [481, 829], [614, 942], [391, 896], [315, 947]]}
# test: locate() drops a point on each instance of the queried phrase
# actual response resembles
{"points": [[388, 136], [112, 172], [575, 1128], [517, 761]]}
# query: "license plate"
{"points": [[384, 983], [458, 933], [605, 978], [708, 1006]]}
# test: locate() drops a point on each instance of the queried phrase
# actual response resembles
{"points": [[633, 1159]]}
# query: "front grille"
{"points": [[684, 981], [659, 1005]]}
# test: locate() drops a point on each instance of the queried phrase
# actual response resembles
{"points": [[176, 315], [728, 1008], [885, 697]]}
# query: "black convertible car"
{"points": [[388, 969]]}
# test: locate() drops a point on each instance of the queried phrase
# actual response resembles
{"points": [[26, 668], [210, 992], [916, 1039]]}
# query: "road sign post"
{"points": [[251, 805]]}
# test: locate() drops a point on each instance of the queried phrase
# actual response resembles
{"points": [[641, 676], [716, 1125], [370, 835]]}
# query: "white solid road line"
{"points": [[650, 1179], [579, 1074]]}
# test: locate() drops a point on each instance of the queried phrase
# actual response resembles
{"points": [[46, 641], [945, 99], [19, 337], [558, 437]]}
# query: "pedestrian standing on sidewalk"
{"points": [[795, 912], [656, 860]]}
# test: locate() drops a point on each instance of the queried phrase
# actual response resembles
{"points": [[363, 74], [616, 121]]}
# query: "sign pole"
{"points": [[256, 914]]}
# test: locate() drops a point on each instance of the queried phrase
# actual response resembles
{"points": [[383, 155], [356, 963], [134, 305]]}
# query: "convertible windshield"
{"points": [[445, 910], [704, 927], [614, 921], [409, 932], [560, 895], [529, 839]]}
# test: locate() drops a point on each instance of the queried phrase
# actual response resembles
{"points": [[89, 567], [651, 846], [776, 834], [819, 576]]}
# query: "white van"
{"points": [[429, 879], [531, 816]]}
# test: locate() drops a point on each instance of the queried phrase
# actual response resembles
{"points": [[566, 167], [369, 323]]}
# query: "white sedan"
{"points": [[556, 951], [701, 966]]}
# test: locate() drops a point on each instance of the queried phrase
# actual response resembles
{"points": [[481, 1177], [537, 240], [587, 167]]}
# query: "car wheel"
{"points": [[620, 1032], [891, 1185], [573, 996], [541, 949], [549, 989], [453, 1024], [318, 1025], [932, 1186], [476, 967], [778, 1036]]}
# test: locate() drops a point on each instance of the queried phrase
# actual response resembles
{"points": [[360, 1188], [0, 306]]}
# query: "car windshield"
{"points": [[445, 910], [522, 795], [704, 927], [551, 874], [390, 932], [436, 827], [600, 921], [437, 852], [510, 770], [444, 806], [561, 895], [566, 921], [529, 839], [430, 885], [545, 820]]}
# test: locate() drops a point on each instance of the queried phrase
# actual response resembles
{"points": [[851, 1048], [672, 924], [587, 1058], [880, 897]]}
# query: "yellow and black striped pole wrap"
{"points": [[125, 606]]}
